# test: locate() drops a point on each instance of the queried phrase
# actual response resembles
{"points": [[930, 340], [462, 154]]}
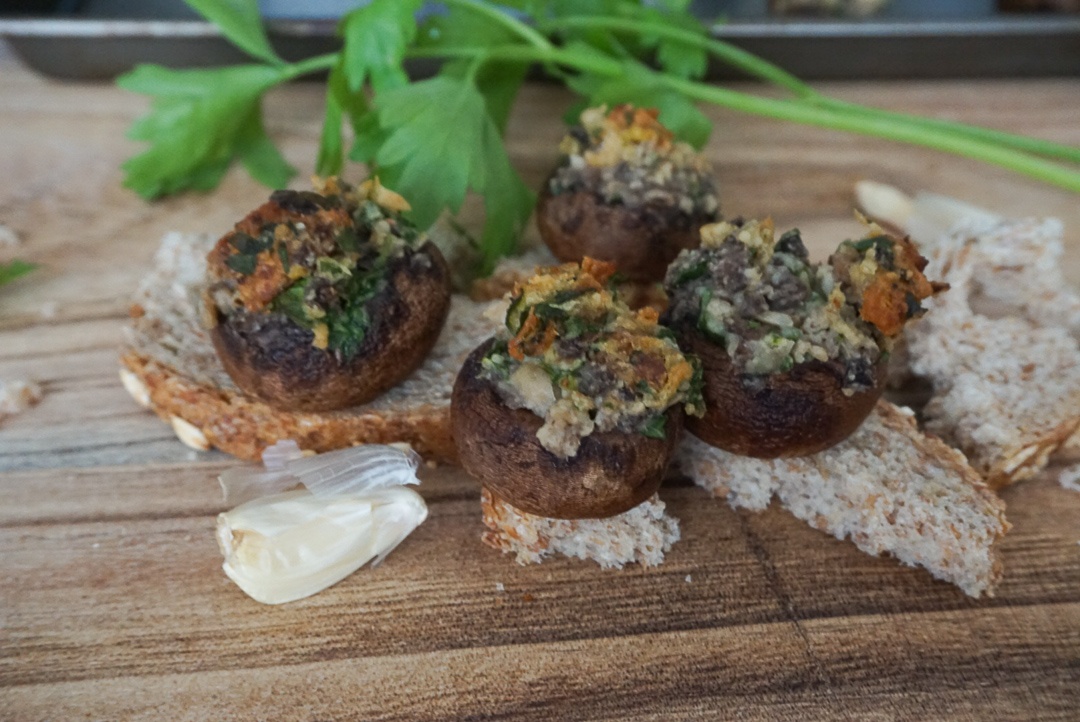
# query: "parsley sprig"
{"points": [[436, 140], [14, 269]]}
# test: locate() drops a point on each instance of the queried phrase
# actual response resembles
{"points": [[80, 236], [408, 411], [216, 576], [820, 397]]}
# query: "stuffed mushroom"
{"points": [[794, 353], [323, 300], [626, 192], [574, 409]]}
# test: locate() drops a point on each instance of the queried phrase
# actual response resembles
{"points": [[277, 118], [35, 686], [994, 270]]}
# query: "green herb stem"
{"points": [[501, 17], [762, 69], [882, 127], [569, 57], [733, 55], [809, 112], [1038, 146], [310, 65]]}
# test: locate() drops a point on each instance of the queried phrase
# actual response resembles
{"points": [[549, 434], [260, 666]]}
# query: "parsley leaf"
{"points": [[675, 57], [260, 156], [291, 303], [10, 271], [464, 155], [498, 83], [200, 120], [681, 59], [241, 22], [376, 36], [655, 427]]}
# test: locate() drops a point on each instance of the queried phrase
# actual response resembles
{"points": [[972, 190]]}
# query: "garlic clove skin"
{"points": [[289, 546], [346, 471]]}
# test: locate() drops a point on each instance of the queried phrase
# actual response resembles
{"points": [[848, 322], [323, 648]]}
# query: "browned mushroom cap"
{"points": [[641, 241], [273, 359], [795, 413], [612, 472]]}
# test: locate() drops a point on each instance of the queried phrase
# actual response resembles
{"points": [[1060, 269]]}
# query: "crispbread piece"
{"points": [[171, 355], [888, 487], [1004, 366], [639, 536]]}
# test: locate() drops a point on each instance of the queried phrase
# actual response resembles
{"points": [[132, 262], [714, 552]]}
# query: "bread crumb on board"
{"points": [[18, 395], [1070, 477], [8, 237]]}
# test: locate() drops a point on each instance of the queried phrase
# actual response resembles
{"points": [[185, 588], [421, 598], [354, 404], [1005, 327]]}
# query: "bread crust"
{"points": [[273, 359], [795, 413], [611, 473], [640, 241], [243, 427]]}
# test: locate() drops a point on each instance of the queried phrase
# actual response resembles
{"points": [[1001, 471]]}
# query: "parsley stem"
{"points": [[1039, 146], [310, 65], [501, 17], [764, 70], [569, 57], [731, 54], [835, 115], [882, 127]]}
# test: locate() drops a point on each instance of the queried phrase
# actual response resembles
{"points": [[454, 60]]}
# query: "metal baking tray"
{"points": [[83, 49]]}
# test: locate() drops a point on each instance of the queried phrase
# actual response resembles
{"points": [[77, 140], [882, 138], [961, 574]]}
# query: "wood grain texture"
{"points": [[113, 605]]}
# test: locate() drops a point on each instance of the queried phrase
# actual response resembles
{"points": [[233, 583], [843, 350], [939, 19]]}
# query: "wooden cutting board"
{"points": [[113, 605]]}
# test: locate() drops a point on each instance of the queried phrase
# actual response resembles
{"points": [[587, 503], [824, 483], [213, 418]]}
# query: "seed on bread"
{"points": [[189, 434]]}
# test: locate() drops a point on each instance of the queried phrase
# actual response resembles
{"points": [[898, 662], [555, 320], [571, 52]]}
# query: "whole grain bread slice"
{"points": [[171, 367], [888, 487]]}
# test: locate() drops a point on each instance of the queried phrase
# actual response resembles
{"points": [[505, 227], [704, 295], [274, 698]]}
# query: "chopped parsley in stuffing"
{"points": [[761, 298], [316, 258], [576, 356]]}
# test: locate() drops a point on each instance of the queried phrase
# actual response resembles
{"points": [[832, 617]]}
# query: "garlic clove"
{"points": [[289, 546]]}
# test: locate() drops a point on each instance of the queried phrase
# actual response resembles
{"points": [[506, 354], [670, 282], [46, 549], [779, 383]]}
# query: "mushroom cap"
{"points": [[272, 359], [641, 241], [794, 413], [611, 473]]}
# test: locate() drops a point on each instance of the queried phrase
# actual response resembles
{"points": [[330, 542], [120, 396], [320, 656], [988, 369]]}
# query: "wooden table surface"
{"points": [[113, 605]]}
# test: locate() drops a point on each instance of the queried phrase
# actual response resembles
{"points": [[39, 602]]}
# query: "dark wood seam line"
{"points": [[772, 578], [510, 645]]}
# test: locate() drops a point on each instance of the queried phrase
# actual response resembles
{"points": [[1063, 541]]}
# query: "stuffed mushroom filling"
{"points": [[762, 300], [315, 259], [576, 356], [627, 157]]}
